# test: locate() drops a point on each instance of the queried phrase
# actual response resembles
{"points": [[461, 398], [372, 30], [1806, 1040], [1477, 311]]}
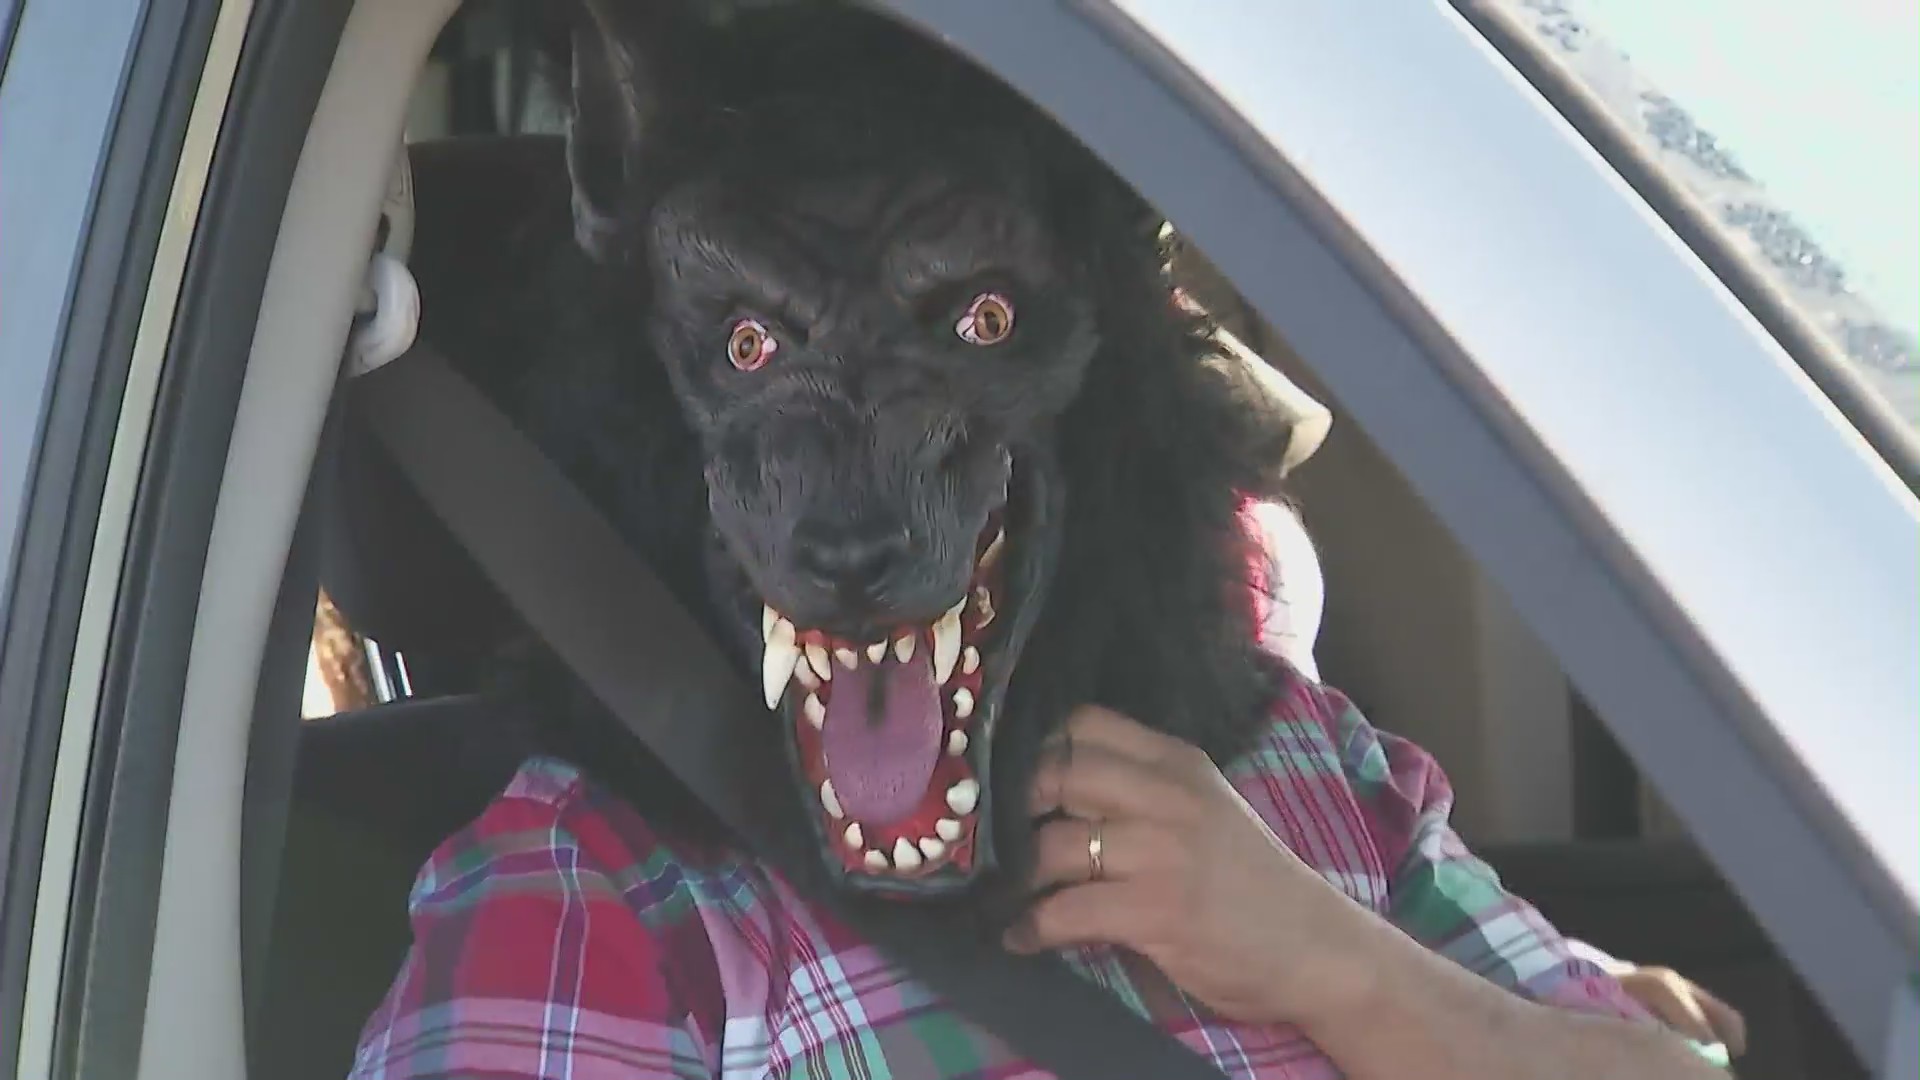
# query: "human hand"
{"points": [[1186, 875], [1189, 877], [1685, 1007]]}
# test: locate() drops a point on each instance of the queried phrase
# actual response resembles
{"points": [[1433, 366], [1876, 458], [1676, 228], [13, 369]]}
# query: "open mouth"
{"points": [[891, 736]]}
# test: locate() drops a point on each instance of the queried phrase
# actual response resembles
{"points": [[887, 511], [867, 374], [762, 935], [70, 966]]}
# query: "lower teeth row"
{"points": [[962, 798], [907, 855]]}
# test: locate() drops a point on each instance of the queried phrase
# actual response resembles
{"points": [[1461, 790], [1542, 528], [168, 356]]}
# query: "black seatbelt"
{"points": [[601, 610]]}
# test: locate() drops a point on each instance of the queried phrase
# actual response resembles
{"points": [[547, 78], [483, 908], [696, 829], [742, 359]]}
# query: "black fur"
{"points": [[768, 166]]}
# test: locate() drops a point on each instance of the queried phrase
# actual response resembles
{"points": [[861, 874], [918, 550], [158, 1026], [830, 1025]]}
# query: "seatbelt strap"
{"points": [[598, 606]]}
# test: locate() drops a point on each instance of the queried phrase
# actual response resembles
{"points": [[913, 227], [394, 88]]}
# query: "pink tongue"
{"points": [[880, 761]]}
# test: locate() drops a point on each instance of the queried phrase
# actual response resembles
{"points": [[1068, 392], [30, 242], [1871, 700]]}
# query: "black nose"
{"points": [[853, 564]]}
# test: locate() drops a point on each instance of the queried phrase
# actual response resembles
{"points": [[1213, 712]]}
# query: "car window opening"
{"points": [[402, 750]]}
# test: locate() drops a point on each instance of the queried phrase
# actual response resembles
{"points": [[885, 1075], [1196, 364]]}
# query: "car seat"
{"points": [[376, 790]]}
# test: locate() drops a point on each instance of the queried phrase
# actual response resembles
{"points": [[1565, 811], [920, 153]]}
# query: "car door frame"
{"points": [[189, 158], [92, 97], [1312, 271]]}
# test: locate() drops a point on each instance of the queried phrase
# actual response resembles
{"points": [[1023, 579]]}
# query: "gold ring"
{"points": [[1096, 848]]}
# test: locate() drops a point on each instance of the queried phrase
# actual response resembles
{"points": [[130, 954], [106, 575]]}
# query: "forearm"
{"points": [[1415, 1013]]}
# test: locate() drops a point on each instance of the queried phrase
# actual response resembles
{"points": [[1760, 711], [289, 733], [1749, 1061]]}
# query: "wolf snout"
{"points": [[856, 569]]}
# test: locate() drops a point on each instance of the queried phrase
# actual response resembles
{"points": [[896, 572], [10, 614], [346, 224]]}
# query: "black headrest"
{"points": [[389, 565], [412, 772]]}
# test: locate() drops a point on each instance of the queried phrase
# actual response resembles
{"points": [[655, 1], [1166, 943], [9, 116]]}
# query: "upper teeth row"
{"points": [[785, 659], [781, 661]]}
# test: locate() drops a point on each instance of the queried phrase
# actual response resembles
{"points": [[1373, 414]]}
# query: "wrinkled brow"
{"points": [[961, 240], [761, 271]]}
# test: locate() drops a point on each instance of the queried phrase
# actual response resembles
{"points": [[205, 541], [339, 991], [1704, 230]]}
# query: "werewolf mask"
{"points": [[877, 283]]}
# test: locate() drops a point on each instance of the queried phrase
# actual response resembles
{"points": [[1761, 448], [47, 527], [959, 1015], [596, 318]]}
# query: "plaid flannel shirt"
{"points": [[560, 935]]}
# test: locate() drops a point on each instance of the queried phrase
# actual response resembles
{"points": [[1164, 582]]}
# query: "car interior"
{"points": [[383, 623]]}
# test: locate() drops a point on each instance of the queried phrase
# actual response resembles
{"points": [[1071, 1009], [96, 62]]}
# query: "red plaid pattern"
{"points": [[561, 936]]}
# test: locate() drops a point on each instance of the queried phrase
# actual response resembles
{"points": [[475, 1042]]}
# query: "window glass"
{"points": [[1793, 126], [9, 14]]}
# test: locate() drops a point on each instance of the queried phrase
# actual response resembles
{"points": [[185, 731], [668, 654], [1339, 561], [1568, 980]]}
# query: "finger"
{"points": [[1699, 1013], [1128, 849], [1097, 725], [1102, 913], [1666, 996], [1726, 1020], [1096, 783]]}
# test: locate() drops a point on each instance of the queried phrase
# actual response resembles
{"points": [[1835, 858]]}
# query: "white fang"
{"points": [[992, 554], [777, 663], [946, 643], [818, 662]]}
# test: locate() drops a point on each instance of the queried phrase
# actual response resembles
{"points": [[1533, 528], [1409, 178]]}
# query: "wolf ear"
{"points": [[619, 113]]}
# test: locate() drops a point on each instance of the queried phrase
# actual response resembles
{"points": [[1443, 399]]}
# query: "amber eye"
{"points": [[750, 346], [988, 320]]}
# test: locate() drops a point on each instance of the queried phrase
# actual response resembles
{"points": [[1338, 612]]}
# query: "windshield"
{"points": [[1794, 128]]}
